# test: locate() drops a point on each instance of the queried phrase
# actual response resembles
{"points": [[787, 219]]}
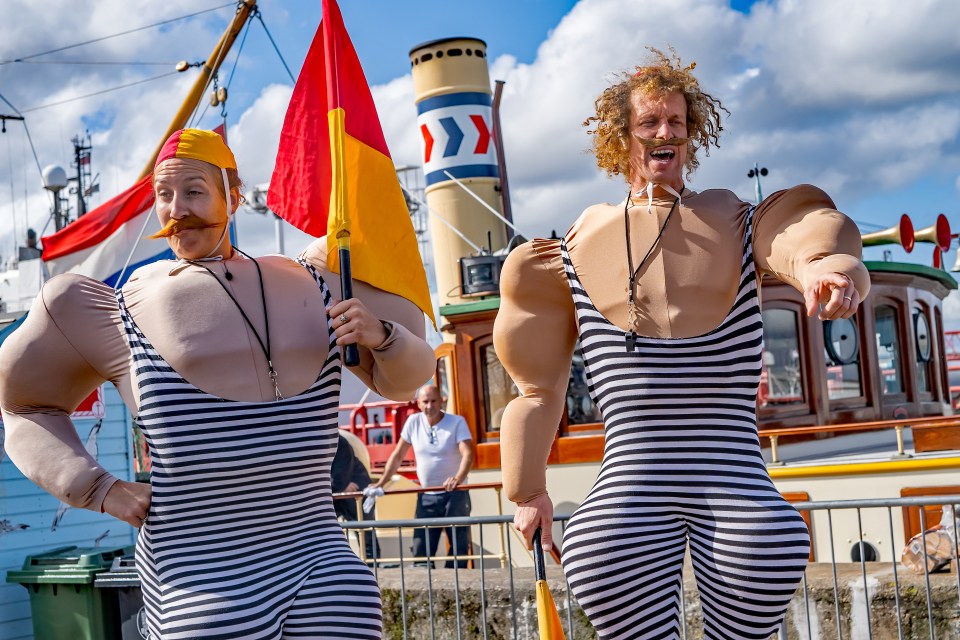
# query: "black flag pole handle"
{"points": [[351, 353], [538, 561]]}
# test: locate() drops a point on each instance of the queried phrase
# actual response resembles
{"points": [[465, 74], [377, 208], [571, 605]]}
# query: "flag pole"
{"points": [[336, 122], [548, 620], [351, 354]]}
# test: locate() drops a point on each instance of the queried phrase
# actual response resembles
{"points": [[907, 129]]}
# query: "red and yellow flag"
{"points": [[334, 174], [548, 620]]}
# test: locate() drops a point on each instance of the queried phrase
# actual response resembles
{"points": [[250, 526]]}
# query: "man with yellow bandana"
{"points": [[231, 366]]}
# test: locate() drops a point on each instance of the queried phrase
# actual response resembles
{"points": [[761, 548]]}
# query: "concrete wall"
{"points": [[430, 609]]}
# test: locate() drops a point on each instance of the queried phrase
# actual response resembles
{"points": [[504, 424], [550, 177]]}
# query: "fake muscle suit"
{"points": [[682, 458]]}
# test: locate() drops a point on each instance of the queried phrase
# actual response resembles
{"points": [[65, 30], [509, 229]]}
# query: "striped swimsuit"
{"points": [[681, 463], [242, 540]]}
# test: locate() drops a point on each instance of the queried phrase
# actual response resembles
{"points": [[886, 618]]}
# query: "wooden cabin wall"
{"points": [[23, 503], [902, 291]]}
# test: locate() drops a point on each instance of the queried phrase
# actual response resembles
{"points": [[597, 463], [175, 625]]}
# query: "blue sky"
{"points": [[842, 95]]}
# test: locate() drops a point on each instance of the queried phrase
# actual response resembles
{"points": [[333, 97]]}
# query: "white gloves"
{"points": [[370, 495]]}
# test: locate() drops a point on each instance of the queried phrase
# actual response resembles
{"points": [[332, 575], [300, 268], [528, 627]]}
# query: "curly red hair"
{"points": [[661, 76]]}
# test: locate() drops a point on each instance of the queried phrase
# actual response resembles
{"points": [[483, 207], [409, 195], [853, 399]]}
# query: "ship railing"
{"points": [[774, 435], [835, 600]]}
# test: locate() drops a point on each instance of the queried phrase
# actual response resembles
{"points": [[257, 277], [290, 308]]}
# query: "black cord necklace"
{"points": [[633, 314], [265, 346]]}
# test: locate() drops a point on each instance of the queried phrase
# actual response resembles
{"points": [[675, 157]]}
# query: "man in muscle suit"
{"points": [[661, 290], [231, 366]]}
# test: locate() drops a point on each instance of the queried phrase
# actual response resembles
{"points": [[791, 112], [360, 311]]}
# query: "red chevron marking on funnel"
{"points": [[427, 141], [484, 140]]}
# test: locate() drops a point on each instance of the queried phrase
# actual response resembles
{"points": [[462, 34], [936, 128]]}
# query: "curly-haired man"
{"points": [[661, 291]]}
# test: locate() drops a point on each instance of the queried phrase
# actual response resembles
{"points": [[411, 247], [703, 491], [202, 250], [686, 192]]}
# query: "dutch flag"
{"points": [[110, 242]]}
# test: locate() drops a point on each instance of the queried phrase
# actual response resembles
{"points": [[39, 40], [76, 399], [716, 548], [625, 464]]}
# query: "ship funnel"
{"points": [[901, 233], [451, 84]]}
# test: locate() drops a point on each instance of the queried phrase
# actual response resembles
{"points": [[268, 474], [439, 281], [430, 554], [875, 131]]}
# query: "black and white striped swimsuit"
{"points": [[681, 462], [242, 540]]}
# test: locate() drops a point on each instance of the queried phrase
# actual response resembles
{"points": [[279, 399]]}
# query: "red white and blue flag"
{"points": [[110, 242]]}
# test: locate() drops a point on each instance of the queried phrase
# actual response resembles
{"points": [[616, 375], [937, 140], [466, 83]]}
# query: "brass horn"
{"points": [[901, 234], [938, 233]]}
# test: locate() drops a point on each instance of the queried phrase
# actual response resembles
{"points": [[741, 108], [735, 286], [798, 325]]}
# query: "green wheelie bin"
{"points": [[123, 580], [64, 603]]}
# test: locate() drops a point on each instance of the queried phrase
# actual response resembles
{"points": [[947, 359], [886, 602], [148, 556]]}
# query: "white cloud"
{"points": [[256, 136], [951, 311], [858, 97], [801, 90], [398, 118], [823, 52]]}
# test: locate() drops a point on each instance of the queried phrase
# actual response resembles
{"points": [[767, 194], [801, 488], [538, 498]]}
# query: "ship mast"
{"points": [[245, 9]]}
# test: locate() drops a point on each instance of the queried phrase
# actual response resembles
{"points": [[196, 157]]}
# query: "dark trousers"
{"points": [[450, 504], [347, 509]]}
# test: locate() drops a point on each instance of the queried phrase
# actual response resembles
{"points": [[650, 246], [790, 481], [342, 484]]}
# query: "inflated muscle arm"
{"points": [[67, 346], [404, 361], [799, 235], [534, 336]]}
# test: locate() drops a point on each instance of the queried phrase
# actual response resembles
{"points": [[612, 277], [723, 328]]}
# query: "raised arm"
{"points": [[399, 360], [534, 336], [801, 239], [44, 375]]}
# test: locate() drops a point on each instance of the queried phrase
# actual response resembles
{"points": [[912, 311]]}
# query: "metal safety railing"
{"points": [[497, 487], [898, 426], [836, 600]]}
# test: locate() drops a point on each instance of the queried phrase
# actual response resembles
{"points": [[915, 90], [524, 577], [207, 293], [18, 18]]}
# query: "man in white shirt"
{"points": [[443, 448]]}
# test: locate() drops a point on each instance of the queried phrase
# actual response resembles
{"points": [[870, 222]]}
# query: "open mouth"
{"points": [[664, 155]]}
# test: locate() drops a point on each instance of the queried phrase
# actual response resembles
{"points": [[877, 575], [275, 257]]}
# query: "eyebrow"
{"points": [[198, 176]]}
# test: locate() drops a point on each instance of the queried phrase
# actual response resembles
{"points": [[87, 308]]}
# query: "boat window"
{"points": [[924, 347], [498, 388], [580, 408], [781, 382], [444, 375], [944, 365], [842, 355], [888, 349], [921, 326]]}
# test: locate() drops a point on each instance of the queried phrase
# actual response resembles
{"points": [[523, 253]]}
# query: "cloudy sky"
{"points": [[860, 97]]}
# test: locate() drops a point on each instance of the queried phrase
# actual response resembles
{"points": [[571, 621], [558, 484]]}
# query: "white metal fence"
{"points": [[493, 598]]}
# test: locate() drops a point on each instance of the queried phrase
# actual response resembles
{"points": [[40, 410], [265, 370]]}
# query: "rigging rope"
{"points": [[275, 48], [97, 93], [100, 62], [216, 64], [29, 137], [13, 196], [223, 108], [243, 40], [121, 33]]}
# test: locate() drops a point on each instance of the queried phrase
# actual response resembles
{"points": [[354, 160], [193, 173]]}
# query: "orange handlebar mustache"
{"points": [[173, 227]]}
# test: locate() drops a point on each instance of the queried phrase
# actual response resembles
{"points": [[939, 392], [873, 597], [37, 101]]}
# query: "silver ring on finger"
{"points": [[343, 318], [850, 298]]}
